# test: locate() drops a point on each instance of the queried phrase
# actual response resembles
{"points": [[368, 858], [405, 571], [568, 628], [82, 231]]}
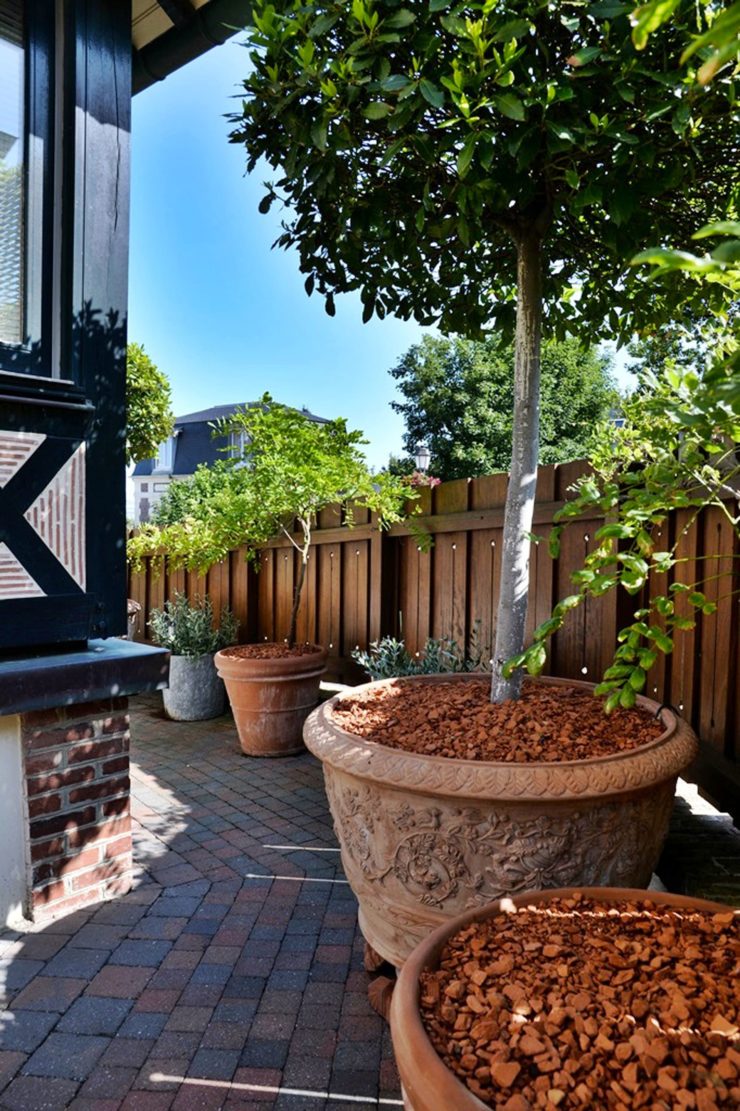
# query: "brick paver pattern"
{"points": [[213, 984]]}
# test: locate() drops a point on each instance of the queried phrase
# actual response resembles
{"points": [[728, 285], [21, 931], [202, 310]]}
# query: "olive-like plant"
{"points": [[490, 164]]}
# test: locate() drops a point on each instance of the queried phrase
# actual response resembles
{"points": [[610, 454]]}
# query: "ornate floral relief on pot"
{"points": [[419, 852]]}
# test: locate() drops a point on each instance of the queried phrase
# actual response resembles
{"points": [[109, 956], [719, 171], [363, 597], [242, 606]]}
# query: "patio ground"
{"points": [[231, 976]]}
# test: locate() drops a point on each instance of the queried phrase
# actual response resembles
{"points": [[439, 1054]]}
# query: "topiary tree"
{"points": [[484, 164], [149, 416], [292, 468]]}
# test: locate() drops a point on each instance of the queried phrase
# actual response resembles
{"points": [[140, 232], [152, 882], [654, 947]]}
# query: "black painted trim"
{"points": [[102, 669]]}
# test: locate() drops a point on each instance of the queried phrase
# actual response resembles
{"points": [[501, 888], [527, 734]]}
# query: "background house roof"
{"points": [[195, 442], [166, 34]]}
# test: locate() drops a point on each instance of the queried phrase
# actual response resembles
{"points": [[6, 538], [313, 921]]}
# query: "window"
{"points": [[12, 158], [27, 253], [238, 444], [165, 455]]}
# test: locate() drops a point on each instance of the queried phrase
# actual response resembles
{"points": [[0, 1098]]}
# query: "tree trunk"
{"points": [[512, 606]]}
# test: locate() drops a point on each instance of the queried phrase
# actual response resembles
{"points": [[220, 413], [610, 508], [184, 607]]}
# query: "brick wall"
{"points": [[77, 793]]}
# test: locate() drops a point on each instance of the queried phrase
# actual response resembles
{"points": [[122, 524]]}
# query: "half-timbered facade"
{"points": [[67, 70]]}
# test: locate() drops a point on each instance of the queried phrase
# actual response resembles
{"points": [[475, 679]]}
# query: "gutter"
{"points": [[208, 26]]}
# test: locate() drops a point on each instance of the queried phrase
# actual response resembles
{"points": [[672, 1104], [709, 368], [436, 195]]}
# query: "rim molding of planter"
{"points": [[427, 1083], [424, 838], [195, 692], [271, 698]]}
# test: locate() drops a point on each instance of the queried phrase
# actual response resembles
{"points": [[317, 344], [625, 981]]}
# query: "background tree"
{"points": [[459, 399], [149, 416], [291, 469], [484, 164]]}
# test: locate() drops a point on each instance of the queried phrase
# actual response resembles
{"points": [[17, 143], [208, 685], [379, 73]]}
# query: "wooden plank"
{"points": [[488, 491], [684, 671], [451, 497], [329, 518], [284, 563], [600, 627], [138, 591], [329, 598], [415, 594], [217, 586], [569, 654], [449, 587], [239, 593], [266, 630], [717, 639], [565, 475], [155, 599], [355, 561], [658, 683], [306, 630], [484, 585], [195, 587]]}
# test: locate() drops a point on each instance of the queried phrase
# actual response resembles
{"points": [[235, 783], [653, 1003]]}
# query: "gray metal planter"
{"points": [[195, 692]]}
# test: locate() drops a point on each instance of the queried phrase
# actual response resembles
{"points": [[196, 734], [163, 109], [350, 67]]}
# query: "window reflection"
{"points": [[11, 171]]}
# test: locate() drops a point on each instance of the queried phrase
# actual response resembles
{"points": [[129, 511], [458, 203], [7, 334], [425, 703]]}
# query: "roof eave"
{"points": [[208, 26]]}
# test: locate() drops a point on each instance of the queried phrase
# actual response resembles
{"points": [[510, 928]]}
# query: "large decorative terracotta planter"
{"points": [[271, 698], [427, 1083], [424, 838]]}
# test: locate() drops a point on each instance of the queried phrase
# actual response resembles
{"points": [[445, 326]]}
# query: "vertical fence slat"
{"points": [[266, 596], [716, 636]]}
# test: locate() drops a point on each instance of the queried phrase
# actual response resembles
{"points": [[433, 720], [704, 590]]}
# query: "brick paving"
{"points": [[212, 984], [231, 976]]}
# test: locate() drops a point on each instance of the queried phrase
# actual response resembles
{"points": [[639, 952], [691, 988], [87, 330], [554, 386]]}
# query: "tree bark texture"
{"points": [[519, 511]]}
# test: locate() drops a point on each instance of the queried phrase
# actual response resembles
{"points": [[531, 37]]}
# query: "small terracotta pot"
{"points": [[271, 698], [427, 1083]]}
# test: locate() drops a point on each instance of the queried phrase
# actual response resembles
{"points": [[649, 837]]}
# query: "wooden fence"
{"points": [[362, 584]]}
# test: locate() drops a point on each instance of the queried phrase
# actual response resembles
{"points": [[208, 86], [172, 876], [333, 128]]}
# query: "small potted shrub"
{"points": [[195, 692], [291, 468]]}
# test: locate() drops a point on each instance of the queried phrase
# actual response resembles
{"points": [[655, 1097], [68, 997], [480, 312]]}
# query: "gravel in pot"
{"points": [[604, 999]]}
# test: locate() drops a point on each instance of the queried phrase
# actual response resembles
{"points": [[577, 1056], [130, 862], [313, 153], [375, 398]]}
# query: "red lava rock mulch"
{"points": [[580, 1004], [270, 651], [456, 719]]}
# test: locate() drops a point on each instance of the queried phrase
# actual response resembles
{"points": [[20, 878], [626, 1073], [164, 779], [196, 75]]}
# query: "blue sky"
{"points": [[220, 312]]}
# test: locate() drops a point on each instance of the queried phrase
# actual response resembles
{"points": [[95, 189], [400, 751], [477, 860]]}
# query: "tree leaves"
{"points": [[378, 110], [431, 93], [509, 106]]}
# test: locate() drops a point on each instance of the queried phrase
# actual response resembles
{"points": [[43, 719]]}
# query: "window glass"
{"points": [[11, 171], [164, 459]]}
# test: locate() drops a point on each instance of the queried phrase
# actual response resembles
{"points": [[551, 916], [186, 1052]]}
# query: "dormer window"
{"points": [[165, 455], [238, 442]]}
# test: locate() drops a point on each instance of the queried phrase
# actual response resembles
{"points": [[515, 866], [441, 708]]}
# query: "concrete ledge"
{"points": [[101, 669]]}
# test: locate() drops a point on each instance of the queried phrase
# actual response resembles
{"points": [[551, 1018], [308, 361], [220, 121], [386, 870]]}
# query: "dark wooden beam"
{"points": [[206, 27], [178, 11]]}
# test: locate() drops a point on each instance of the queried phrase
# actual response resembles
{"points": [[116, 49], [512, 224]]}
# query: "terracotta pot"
{"points": [[271, 698], [427, 1083], [424, 838]]}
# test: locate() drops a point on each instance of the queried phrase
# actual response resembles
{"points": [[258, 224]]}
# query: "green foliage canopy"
{"points": [[459, 397], [149, 416], [412, 141]]}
